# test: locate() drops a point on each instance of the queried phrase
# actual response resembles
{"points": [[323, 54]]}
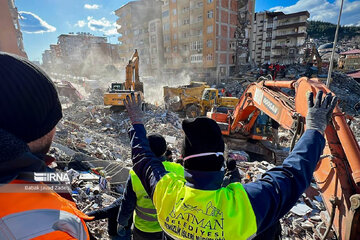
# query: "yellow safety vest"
{"points": [[188, 213], [145, 218]]}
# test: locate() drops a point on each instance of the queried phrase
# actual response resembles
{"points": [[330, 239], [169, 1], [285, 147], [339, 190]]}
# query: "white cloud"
{"points": [[323, 10], [80, 23], [102, 25], [92, 7], [32, 23]]}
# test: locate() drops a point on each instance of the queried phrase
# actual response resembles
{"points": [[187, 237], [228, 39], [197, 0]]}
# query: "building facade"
{"points": [[279, 37], [11, 39], [192, 36], [199, 36], [136, 18]]}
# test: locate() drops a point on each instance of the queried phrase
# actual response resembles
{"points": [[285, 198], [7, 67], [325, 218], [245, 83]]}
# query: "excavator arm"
{"points": [[132, 72], [338, 171]]}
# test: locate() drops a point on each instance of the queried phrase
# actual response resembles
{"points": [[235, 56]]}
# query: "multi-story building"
{"points": [[10, 35], [136, 18], [279, 37], [349, 60], [199, 36]]}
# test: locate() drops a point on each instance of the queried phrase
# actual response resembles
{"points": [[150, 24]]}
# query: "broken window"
{"points": [[210, 14]]}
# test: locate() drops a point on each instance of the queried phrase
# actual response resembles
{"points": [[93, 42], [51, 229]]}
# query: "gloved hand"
{"points": [[319, 115], [230, 165], [133, 107], [121, 231]]}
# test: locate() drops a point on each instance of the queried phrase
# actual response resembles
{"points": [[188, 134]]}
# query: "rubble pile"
{"points": [[347, 90], [307, 219], [96, 131]]}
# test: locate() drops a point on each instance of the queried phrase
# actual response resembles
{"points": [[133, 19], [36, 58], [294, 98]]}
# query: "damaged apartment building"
{"points": [[195, 36], [278, 37]]}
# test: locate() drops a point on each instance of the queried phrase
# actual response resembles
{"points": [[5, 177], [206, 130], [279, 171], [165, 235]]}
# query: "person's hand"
{"points": [[319, 114], [121, 231], [133, 107], [230, 165]]}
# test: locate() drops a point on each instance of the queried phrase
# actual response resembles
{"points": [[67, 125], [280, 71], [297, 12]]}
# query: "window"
{"points": [[209, 57], [153, 50], [268, 44], [167, 49], [174, 24], [196, 58], [232, 45], [209, 1], [165, 13], [185, 9], [136, 32], [185, 34], [166, 38], [210, 14], [185, 47], [175, 36], [153, 39], [186, 21], [209, 43], [200, 4], [197, 45], [175, 49], [152, 27], [209, 29], [184, 60], [174, 12], [166, 26], [199, 18]]}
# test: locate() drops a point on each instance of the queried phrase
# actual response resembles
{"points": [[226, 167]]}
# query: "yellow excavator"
{"points": [[118, 91]]}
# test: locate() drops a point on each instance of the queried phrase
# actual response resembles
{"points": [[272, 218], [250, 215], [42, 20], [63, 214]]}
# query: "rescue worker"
{"points": [[136, 201], [198, 207], [29, 111], [123, 208]]}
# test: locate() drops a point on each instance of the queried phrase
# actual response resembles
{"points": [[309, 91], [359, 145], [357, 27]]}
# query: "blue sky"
{"points": [[44, 20]]}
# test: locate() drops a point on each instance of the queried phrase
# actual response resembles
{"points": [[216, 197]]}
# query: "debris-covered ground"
{"points": [[92, 144]]}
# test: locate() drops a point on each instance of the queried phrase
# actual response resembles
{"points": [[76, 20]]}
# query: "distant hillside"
{"points": [[318, 29]]}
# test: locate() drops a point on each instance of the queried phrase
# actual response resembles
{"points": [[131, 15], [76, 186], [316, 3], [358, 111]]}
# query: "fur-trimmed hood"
{"points": [[16, 158]]}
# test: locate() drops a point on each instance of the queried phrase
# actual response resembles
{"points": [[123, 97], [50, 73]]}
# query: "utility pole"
{"points": [[334, 47]]}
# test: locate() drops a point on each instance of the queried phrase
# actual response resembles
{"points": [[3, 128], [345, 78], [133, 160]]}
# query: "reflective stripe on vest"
{"points": [[40, 215], [188, 213], [145, 218], [35, 223]]}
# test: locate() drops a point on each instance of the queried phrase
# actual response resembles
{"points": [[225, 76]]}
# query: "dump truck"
{"points": [[195, 99], [117, 93]]}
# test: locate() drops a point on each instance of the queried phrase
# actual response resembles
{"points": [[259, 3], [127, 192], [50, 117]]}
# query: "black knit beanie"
{"points": [[157, 144], [29, 104], [202, 135]]}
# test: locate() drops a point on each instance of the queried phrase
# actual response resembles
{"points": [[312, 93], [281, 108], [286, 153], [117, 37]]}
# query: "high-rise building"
{"points": [[279, 37], [199, 36], [135, 19]]}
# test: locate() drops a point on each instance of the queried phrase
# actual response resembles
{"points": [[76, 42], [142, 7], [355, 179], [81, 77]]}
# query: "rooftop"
{"points": [[354, 51]]}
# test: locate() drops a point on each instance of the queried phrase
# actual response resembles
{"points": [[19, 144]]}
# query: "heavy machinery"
{"points": [[196, 99], [117, 93], [67, 89], [337, 173]]}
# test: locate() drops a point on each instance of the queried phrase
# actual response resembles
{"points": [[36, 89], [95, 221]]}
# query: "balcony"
{"points": [[291, 35], [292, 25]]}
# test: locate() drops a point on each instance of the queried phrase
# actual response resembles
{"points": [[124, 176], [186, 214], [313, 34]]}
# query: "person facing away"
{"points": [[136, 203], [29, 111], [197, 207]]}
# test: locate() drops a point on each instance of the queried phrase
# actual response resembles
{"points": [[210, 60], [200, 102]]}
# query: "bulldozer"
{"points": [[117, 93], [196, 99]]}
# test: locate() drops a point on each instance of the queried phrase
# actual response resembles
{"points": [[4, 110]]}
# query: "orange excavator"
{"points": [[337, 173]]}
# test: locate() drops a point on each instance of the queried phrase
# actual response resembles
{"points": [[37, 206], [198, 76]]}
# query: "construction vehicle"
{"points": [[195, 99], [337, 173], [67, 89], [117, 93]]}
